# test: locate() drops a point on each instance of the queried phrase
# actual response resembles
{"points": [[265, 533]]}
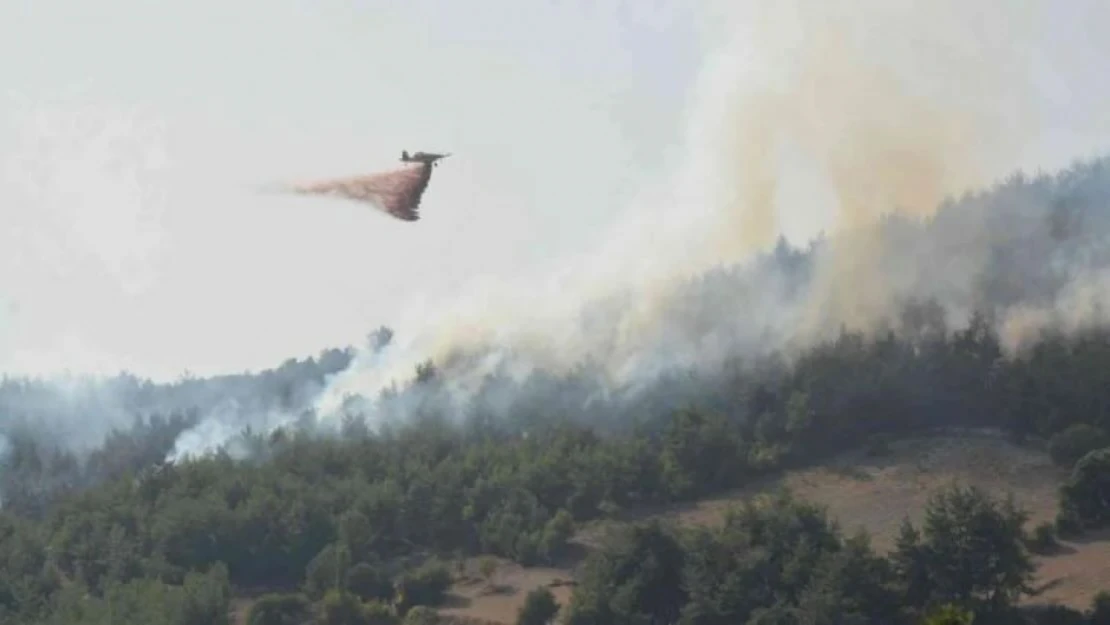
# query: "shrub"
{"points": [[1043, 538], [1100, 609], [949, 614], [1086, 494], [1076, 441], [487, 566], [322, 572], [378, 613], [421, 615], [340, 608], [279, 609], [539, 608], [369, 582], [1068, 524], [425, 586]]}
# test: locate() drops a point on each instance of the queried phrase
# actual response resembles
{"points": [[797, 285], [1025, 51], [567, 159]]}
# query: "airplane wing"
{"points": [[397, 192]]}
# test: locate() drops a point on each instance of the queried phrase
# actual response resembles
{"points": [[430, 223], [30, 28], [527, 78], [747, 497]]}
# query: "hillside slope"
{"points": [[862, 489]]}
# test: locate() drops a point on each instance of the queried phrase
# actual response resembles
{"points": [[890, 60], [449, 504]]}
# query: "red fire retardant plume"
{"points": [[397, 192]]}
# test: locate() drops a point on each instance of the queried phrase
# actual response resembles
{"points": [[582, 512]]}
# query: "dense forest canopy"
{"points": [[126, 501]]}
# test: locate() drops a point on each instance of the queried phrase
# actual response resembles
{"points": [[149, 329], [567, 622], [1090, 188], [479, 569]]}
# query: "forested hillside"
{"points": [[357, 518]]}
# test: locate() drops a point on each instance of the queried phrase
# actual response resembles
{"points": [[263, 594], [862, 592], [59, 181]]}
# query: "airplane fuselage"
{"points": [[422, 157]]}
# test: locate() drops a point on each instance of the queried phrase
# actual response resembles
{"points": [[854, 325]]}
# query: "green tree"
{"points": [[324, 572], [635, 578], [379, 613], [280, 609], [850, 584], [356, 533], [781, 560], [340, 608], [1086, 493], [972, 549], [911, 566], [207, 597], [1076, 441], [487, 566], [1099, 613], [556, 534], [424, 586], [369, 582], [1043, 538], [700, 452], [421, 615], [539, 608]]}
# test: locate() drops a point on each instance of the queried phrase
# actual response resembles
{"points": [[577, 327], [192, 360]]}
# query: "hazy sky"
{"points": [[133, 135]]}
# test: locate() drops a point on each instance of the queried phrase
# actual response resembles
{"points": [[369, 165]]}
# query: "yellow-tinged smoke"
{"points": [[898, 103]]}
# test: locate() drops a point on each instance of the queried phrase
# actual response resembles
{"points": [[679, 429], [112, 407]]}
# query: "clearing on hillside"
{"points": [[873, 491]]}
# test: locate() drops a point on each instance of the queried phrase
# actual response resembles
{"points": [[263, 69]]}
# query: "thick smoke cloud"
{"points": [[896, 106]]}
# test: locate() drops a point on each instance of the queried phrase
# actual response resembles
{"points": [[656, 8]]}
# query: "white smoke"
{"points": [[5, 449], [896, 105], [219, 430]]}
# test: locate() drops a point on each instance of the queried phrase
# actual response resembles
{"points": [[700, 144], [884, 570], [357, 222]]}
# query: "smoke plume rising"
{"points": [[896, 105]]}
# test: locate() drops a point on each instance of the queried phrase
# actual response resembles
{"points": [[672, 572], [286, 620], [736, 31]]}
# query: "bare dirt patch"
{"points": [[1077, 574], [499, 598]]}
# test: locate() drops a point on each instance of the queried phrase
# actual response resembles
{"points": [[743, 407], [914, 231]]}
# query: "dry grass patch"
{"points": [[473, 598], [877, 492], [874, 492]]}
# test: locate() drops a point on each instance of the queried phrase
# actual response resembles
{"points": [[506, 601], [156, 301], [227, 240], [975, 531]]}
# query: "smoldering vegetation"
{"points": [[57, 436], [992, 282]]}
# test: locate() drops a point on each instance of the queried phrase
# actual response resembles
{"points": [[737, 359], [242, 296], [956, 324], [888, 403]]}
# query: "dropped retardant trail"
{"points": [[397, 192]]}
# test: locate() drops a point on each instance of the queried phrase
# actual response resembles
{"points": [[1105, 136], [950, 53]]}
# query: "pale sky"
{"points": [[134, 137], [554, 110]]}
